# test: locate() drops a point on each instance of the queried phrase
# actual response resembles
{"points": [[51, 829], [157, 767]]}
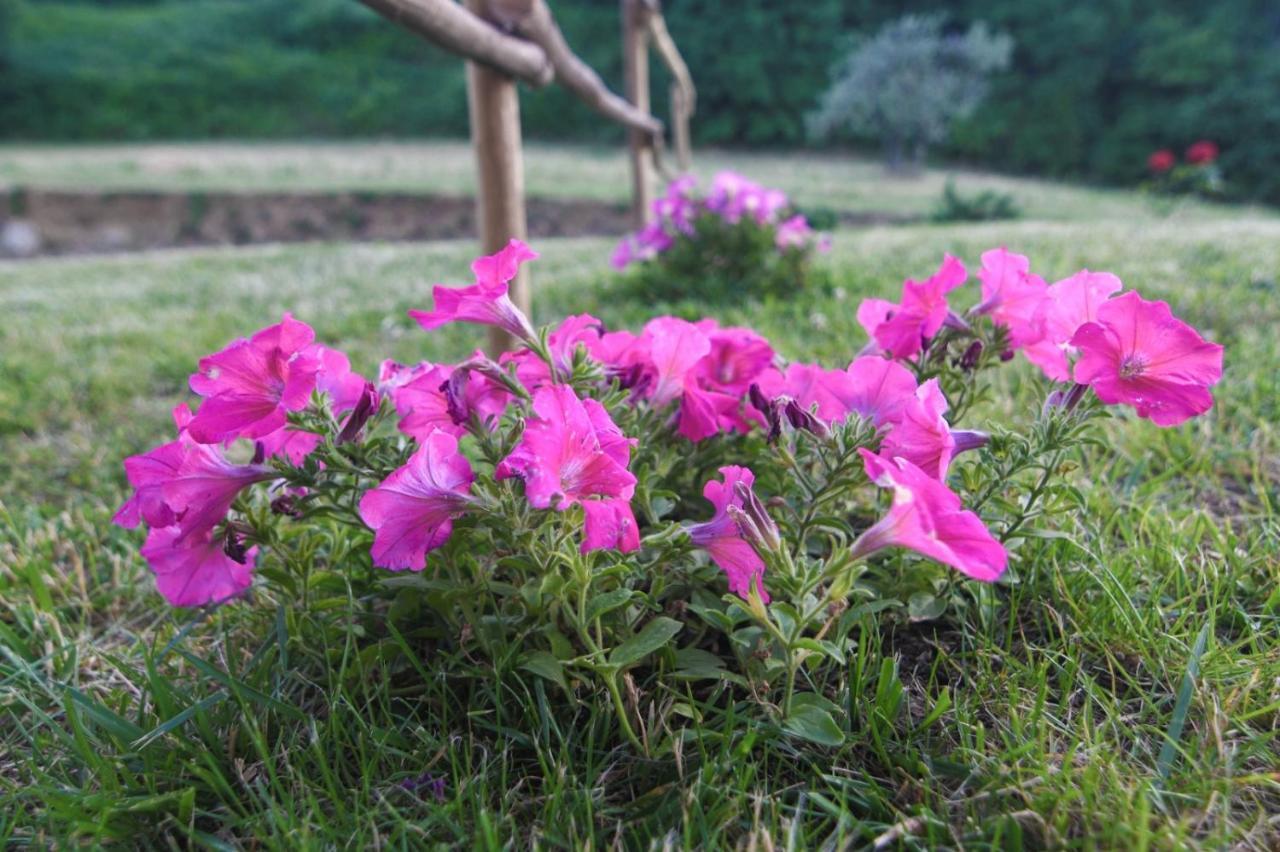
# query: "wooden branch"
{"points": [[684, 97], [452, 27], [578, 77], [641, 147]]}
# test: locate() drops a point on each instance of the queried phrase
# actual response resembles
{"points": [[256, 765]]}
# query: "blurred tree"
{"points": [[906, 85]]}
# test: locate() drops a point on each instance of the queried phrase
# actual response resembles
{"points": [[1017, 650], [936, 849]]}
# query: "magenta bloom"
{"points": [[922, 435], [486, 302], [927, 517], [793, 233], [723, 540], [1202, 153], [1068, 304], [736, 358], [571, 452], [900, 329], [1013, 296], [148, 473], [292, 444], [1136, 352], [879, 389], [609, 525], [423, 402], [251, 385], [674, 347], [337, 379], [204, 486], [412, 511], [873, 387], [195, 570]]}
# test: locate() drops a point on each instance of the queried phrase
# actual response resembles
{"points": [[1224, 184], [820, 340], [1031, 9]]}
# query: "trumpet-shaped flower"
{"points": [[735, 359], [204, 486], [424, 402], [196, 570], [1013, 296], [147, 473], [927, 517], [1068, 304], [610, 524], [871, 386], [486, 302], [412, 511], [922, 435], [251, 385], [900, 329], [571, 452], [722, 538], [1136, 352]]}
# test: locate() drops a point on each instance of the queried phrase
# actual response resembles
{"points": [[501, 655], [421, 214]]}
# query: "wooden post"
{"points": [[494, 107], [635, 59]]}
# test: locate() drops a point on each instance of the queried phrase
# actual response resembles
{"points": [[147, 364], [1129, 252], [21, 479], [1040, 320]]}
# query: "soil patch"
{"points": [[37, 222]]}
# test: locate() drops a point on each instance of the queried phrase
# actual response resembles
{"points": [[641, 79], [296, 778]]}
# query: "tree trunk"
{"points": [[494, 107], [635, 59]]}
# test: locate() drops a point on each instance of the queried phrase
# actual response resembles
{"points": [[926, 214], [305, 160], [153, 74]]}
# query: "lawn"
{"points": [[1127, 697], [839, 182]]}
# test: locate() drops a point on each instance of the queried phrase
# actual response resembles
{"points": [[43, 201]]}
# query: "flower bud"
{"points": [[956, 322], [799, 418], [969, 439], [767, 531], [366, 406], [1067, 399], [969, 360], [286, 505], [233, 546]]}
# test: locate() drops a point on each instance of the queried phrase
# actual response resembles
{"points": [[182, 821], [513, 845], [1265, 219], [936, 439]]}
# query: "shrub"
{"points": [[907, 85], [671, 509], [740, 240], [983, 206], [1198, 173]]}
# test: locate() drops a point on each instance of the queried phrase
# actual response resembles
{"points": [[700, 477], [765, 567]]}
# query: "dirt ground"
{"points": [[66, 222]]}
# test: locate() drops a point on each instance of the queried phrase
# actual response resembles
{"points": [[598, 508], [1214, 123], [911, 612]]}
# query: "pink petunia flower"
{"points": [[1013, 296], [412, 511], [486, 302], [722, 538], [922, 435], [1136, 352], [609, 524], [424, 404], [572, 452], [343, 385], [195, 570], [674, 348], [251, 385], [871, 386], [736, 358], [1068, 304], [900, 329], [147, 473], [204, 486], [927, 517]]}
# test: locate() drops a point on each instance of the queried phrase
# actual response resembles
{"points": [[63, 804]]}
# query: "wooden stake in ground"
{"points": [[635, 64], [494, 107]]}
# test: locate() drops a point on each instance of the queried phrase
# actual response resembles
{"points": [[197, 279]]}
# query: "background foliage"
{"points": [[1092, 89]]}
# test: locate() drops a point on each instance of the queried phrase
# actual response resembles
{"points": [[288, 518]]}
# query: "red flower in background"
{"points": [[1161, 161], [1202, 153]]}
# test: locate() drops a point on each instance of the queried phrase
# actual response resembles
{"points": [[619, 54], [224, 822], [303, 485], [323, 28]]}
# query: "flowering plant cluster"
{"points": [[739, 237], [677, 503], [1197, 174]]}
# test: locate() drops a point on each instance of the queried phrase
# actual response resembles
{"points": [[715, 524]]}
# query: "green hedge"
{"points": [[1094, 88]]}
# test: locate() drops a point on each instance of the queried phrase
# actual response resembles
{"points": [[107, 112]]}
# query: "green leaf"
{"points": [[545, 665], [811, 719], [925, 606], [697, 664], [607, 602], [655, 634]]}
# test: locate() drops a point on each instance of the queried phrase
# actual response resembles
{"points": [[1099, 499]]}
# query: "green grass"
{"points": [[1127, 699], [840, 182]]}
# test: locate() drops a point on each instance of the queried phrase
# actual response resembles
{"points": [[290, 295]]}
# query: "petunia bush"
{"points": [[679, 503], [740, 237]]}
